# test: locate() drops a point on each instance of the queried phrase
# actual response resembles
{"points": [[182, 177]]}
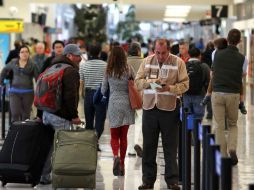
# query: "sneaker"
{"points": [[205, 100], [173, 187], [233, 156], [139, 150], [145, 186], [116, 166], [242, 108]]}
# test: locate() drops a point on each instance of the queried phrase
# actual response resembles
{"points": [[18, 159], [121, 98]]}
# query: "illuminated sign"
{"points": [[8, 26]]}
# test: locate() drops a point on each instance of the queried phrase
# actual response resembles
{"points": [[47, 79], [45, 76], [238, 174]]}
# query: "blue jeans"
{"points": [[193, 104], [94, 111], [57, 123]]}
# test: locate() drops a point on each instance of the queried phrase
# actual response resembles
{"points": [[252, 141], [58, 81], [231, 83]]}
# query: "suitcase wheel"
{"points": [[3, 183], [33, 184]]}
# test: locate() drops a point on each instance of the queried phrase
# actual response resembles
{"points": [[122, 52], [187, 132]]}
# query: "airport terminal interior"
{"points": [[111, 23]]}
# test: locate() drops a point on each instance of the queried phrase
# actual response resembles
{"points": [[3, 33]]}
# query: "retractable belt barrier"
{"points": [[216, 171], [3, 90], [251, 187]]}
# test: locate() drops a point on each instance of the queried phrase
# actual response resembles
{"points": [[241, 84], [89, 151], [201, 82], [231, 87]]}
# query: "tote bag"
{"points": [[134, 95]]}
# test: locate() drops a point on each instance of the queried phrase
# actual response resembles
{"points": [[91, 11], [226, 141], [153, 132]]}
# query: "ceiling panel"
{"points": [[153, 10]]}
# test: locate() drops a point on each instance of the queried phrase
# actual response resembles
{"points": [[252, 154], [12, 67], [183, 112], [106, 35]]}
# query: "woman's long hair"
{"points": [[117, 62]]}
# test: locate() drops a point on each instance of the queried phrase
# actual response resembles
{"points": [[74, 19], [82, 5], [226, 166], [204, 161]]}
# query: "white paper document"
{"points": [[155, 85]]}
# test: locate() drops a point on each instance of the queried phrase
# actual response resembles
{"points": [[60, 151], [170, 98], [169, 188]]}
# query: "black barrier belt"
{"points": [[226, 174], [206, 129]]}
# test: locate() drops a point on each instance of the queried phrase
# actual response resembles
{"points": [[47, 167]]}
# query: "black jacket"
{"points": [[13, 54], [70, 89], [227, 70]]}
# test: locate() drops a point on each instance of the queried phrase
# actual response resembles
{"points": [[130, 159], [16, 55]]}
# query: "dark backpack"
{"points": [[195, 73], [48, 92]]}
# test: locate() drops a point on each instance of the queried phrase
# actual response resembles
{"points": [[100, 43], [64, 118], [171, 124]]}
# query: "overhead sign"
{"points": [[8, 25], [207, 22], [219, 11]]}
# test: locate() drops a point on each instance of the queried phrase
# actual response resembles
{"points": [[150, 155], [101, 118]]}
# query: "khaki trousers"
{"points": [[225, 108]]}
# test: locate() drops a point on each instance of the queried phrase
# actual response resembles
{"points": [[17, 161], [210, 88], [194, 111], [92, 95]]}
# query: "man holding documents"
{"points": [[162, 77]]}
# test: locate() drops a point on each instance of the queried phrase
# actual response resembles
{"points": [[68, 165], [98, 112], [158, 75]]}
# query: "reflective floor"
{"points": [[243, 173]]}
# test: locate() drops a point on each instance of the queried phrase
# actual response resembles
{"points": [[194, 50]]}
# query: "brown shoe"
{"points": [[145, 186], [233, 156], [139, 150], [173, 187]]}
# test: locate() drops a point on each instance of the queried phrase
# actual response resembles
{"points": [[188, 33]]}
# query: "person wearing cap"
{"points": [[68, 114]]}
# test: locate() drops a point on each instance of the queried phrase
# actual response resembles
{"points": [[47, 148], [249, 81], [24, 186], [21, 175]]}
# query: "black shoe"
{"points": [[116, 166], [131, 154], [205, 100], [98, 148], [145, 186], [139, 150], [233, 156], [242, 108], [173, 186], [208, 116], [122, 171]]}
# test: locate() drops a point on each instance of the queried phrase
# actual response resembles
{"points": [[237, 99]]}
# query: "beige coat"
{"points": [[135, 62], [172, 72]]}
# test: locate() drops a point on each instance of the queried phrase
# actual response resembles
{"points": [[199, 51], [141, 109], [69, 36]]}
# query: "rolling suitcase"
{"points": [[74, 159], [24, 152]]}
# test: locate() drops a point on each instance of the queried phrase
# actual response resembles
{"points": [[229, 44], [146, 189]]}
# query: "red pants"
{"points": [[119, 139]]}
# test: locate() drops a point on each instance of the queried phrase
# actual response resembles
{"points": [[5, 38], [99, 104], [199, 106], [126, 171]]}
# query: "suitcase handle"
{"points": [[81, 126]]}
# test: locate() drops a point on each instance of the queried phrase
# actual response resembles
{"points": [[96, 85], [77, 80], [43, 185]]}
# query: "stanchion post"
{"points": [[180, 148], [184, 131], [196, 155], [3, 110], [214, 179], [189, 120], [226, 174], [206, 130], [209, 138]]}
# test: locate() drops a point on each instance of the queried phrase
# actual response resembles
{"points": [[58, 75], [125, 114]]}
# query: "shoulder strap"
{"points": [[56, 67]]}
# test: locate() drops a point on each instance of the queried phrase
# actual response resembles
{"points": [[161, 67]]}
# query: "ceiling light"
{"points": [[172, 19], [177, 10]]}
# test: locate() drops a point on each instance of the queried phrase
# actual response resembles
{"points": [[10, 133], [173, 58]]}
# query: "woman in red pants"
{"points": [[120, 113]]}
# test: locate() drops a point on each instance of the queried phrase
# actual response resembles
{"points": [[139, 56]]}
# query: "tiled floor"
{"points": [[243, 173]]}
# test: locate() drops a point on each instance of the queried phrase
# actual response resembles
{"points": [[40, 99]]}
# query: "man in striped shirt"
{"points": [[91, 76]]}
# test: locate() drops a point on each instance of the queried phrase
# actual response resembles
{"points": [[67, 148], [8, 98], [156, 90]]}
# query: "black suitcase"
{"points": [[24, 152]]}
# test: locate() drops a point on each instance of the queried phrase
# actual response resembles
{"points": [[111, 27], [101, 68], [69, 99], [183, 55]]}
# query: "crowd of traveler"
{"points": [[183, 75]]}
